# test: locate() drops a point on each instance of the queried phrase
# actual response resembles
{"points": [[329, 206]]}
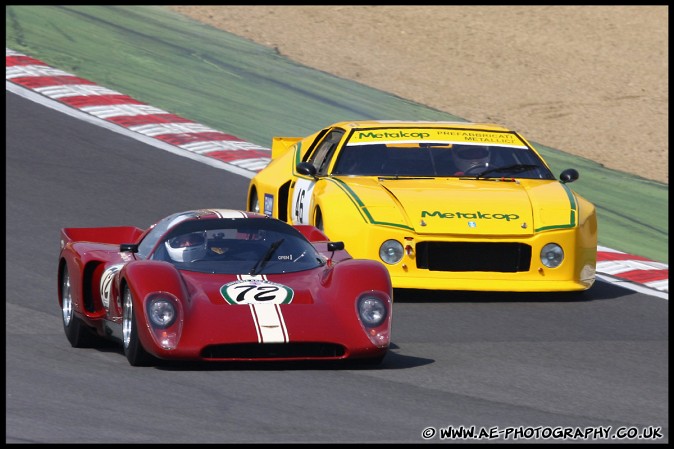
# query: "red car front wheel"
{"points": [[133, 349]]}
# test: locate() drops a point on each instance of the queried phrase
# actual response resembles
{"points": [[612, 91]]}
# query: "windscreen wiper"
{"points": [[517, 168], [397, 177], [267, 256]]}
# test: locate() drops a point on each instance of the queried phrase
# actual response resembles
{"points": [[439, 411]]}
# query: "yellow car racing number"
{"points": [[301, 204]]}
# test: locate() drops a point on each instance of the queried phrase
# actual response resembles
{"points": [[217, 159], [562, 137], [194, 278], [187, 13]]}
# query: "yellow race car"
{"points": [[445, 205]]}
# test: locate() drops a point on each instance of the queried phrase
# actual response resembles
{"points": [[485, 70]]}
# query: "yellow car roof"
{"points": [[427, 124]]}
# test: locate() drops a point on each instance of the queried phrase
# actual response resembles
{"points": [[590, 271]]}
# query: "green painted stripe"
{"points": [[365, 213], [547, 228], [572, 214], [367, 216], [298, 151]]}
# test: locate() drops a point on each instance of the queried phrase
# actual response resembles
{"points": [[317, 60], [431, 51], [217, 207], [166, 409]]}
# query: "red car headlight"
{"points": [[371, 310], [161, 312], [164, 314], [374, 313]]}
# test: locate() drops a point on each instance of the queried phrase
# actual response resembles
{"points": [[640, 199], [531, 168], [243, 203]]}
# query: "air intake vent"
{"points": [[472, 256], [274, 351]]}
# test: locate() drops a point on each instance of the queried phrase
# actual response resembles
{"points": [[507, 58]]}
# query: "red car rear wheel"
{"points": [[78, 334]]}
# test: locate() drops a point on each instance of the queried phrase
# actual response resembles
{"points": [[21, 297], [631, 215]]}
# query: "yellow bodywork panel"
{"points": [[491, 229], [280, 145]]}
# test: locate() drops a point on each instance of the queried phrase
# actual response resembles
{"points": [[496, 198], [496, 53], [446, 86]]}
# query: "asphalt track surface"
{"points": [[532, 363]]}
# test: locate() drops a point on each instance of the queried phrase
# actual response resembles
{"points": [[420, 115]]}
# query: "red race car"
{"points": [[222, 285]]}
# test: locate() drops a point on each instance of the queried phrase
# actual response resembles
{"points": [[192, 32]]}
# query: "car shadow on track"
{"points": [[392, 360], [599, 291]]}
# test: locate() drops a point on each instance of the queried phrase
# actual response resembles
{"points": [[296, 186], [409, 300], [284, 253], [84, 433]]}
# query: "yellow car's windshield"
{"points": [[439, 160]]}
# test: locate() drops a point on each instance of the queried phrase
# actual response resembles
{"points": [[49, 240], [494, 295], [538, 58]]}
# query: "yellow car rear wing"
{"points": [[280, 145]]}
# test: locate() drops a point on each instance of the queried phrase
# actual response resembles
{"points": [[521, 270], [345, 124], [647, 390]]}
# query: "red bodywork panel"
{"points": [[225, 316], [111, 235]]}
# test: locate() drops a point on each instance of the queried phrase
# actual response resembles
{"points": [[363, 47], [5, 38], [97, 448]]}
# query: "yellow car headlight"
{"points": [[552, 255], [391, 251]]}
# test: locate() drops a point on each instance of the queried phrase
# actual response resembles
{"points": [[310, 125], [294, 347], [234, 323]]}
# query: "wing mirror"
{"points": [[334, 246], [569, 175], [128, 248], [306, 169]]}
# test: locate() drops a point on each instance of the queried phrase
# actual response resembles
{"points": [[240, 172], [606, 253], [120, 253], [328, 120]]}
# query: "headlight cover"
{"points": [[164, 318], [371, 310], [552, 255], [161, 311], [391, 251]]}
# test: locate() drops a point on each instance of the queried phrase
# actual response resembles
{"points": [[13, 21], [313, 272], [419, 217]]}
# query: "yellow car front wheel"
{"points": [[318, 220], [254, 202]]}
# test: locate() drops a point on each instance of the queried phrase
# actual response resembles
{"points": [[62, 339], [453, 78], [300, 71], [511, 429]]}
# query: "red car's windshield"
{"points": [[237, 246]]}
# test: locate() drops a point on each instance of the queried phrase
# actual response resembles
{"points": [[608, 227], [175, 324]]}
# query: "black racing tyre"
{"points": [[318, 220], [254, 205], [133, 349], [78, 334]]}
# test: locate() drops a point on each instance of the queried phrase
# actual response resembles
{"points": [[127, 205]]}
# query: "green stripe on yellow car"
{"points": [[367, 216], [572, 213]]}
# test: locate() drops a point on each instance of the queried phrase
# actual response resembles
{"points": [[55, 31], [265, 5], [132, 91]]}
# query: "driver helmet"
{"points": [[469, 156], [186, 247]]}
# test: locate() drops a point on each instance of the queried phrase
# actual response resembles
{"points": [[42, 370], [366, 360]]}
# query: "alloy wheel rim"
{"points": [[127, 317], [67, 307]]}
